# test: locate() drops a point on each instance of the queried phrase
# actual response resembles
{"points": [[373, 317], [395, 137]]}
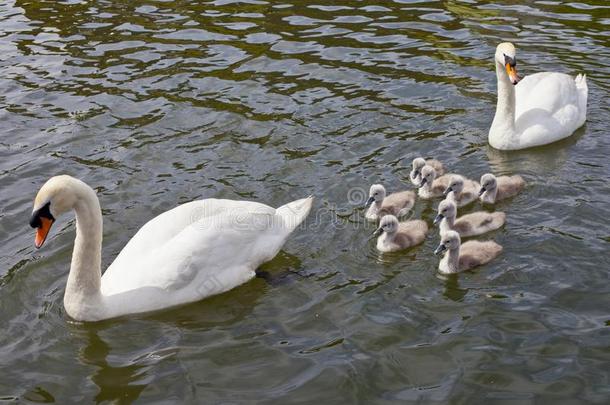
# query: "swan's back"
{"points": [[212, 243], [550, 105]]}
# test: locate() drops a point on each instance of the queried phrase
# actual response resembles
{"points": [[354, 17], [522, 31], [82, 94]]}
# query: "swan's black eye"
{"points": [[510, 61], [42, 212]]}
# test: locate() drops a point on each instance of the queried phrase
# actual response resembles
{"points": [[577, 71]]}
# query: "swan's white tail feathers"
{"points": [[581, 81], [581, 86], [295, 212]]}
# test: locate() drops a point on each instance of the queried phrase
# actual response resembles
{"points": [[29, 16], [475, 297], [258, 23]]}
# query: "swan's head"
{"points": [[376, 193], [388, 224], [450, 240], [446, 209], [488, 183], [428, 174], [506, 56], [54, 198], [418, 164], [456, 184]]}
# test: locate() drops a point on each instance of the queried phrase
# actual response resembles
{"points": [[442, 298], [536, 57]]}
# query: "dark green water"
{"points": [[158, 103]]}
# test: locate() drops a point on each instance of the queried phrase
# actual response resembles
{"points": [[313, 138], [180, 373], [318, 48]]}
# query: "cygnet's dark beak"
{"points": [[438, 218], [441, 248], [369, 201], [481, 191]]}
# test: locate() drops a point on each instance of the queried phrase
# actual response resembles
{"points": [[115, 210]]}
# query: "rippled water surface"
{"points": [[161, 102]]}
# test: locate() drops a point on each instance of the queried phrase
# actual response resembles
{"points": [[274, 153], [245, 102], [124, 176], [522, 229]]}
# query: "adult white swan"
{"points": [[193, 251], [540, 109]]}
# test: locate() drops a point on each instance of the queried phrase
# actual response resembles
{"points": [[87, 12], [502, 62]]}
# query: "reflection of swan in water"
{"points": [[452, 287], [124, 381], [116, 383], [535, 161]]}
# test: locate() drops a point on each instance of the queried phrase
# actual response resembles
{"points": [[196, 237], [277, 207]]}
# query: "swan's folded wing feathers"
{"points": [[189, 228], [196, 255], [533, 93]]}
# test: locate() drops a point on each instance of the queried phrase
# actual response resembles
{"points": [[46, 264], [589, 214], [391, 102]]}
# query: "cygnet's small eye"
{"points": [[444, 210]]}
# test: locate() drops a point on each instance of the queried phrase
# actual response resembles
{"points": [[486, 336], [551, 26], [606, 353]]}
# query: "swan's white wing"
{"points": [[549, 107], [554, 93], [210, 234]]}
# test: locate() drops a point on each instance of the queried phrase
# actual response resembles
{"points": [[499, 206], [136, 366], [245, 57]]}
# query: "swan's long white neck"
{"points": [[83, 293], [447, 224], [504, 120], [452, 260]]}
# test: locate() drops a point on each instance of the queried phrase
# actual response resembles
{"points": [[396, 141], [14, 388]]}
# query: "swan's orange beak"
{"points": [[42, 219], [512, 73], [42, 231]]}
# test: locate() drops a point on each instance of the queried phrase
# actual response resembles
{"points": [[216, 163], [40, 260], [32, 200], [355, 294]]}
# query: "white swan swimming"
{"points": [[193, 251], [539, 109]]}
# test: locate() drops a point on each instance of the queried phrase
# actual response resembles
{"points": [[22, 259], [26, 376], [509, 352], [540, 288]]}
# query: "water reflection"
{"points": [[543, 160], [452, 288], [121, 383]]}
